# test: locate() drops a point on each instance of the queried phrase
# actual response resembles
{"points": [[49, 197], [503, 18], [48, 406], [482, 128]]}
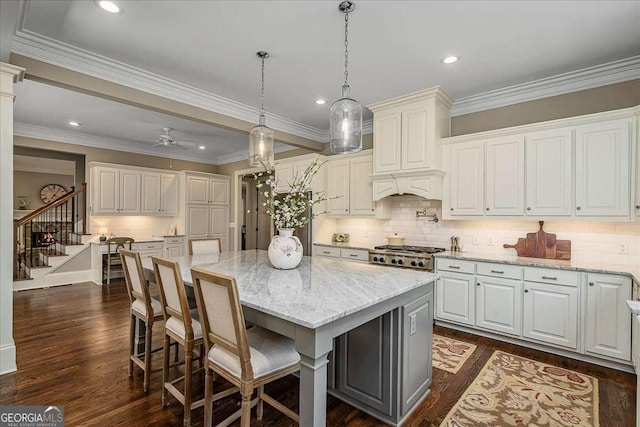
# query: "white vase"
{"points": [[285, 250]]}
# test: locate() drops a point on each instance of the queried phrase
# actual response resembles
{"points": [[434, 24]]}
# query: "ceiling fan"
{"points": [[167, 140]]}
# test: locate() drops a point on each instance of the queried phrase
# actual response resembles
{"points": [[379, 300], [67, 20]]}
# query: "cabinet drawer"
{"points": [[327, 251], [354, 255], [150, 253], [174, 240], [499, 270], [551, 275], [147, 246], [458, 266]]}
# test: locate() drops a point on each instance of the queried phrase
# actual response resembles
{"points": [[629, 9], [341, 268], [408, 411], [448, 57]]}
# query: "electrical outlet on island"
{"points": [[489, 241], [622, 249]]}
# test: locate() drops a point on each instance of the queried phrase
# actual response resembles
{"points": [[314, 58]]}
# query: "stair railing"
{"points": [[39, 232]]}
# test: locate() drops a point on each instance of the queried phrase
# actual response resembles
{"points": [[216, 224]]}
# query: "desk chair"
{"points": [[114, 245], [183, 326], [204, 246], [143, 307], [247, 358]]}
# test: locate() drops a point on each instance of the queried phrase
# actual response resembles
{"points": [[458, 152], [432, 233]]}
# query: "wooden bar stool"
{"points": [[112, 259], [180, 325], [247, 358]]}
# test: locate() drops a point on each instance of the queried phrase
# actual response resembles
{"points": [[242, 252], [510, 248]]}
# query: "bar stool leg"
{"points": [[188, 361], [131, 343], [147, 356], [165, 371]]}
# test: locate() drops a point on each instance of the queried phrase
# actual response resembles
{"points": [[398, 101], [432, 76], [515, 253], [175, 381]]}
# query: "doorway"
{"points": [[256, 228]]}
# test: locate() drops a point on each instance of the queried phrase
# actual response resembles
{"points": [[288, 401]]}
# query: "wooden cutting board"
{"points": [[542, 245]]}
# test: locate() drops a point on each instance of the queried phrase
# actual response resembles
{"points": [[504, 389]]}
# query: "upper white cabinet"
{"points": [[602, 168], [207, 206], [286, 171], [636, 168], [206, 190], [349, 187], [544, 171], [504, 166], [407, 133], [549, 173], [116, 191], [160, 194]]}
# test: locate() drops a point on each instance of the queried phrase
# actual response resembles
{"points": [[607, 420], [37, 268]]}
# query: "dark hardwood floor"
{"points": [[72, 345]]}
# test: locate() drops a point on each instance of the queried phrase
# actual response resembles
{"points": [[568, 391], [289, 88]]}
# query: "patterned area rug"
{"points": [[449, 355], [514, 391]]}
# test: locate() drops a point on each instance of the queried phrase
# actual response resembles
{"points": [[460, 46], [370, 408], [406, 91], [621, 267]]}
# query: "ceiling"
{"points": [[395, 47]]}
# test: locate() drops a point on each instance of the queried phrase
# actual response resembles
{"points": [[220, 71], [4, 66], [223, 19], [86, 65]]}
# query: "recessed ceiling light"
{"points": [[72, 123], [202, 147], [109, 6], [450, 59], [320, 101]]}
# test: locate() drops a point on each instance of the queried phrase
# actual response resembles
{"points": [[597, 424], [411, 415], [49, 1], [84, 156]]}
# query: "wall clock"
{"points": [[52, 192]]}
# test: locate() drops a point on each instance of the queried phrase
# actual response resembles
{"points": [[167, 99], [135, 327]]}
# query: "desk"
{"points": [[319, 300]]}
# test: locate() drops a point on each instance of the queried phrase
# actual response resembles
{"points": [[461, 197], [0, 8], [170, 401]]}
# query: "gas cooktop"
{"points": [[415, 249]]}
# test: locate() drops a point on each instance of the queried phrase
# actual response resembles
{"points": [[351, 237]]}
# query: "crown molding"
{"points": [[42, 170], [587, 78], [36, 46], [87, 140]]}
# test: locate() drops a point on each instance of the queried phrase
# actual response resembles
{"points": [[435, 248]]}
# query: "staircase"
{"points": [[48, 238]]}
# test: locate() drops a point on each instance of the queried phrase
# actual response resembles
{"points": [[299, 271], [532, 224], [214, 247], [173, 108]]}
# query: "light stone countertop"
{"points": [[593, 267], [136, 239], [345, 245], [317, 292]]}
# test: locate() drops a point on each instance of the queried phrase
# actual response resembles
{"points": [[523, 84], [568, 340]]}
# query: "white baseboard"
{"points": [[8, 359], [55, 279]]}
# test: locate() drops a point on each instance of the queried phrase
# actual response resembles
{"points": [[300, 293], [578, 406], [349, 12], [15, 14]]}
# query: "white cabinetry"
{"points": [[288, 170], [160, 194], [636, 205], [608, 329], [349, 188], [116, 191], [466, 176], [504, 183], [499, 304], [549, 173], [173, 246], [346, 254], [602, 168], [207, 207], [455, 291]]}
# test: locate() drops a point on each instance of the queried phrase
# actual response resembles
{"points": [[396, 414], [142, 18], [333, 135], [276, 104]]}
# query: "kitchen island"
{"points": [[379, 319]]}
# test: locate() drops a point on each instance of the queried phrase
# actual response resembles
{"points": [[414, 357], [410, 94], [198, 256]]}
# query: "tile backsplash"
{"points": [[132, 226], [617, 243]]}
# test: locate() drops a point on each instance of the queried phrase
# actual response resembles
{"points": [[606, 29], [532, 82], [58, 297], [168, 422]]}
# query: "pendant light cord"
{"points": [[262, 90], [346, 48]]}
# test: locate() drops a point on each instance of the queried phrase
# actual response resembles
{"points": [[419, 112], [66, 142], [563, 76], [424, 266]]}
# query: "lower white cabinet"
{"points": [[608, 329], [499, 305], [174, 246], [550, 314], [347, 254], [148, 249], [455, 298], [204, 221]]}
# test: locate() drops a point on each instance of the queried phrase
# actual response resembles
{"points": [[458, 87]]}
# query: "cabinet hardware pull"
{"points": [[478, 284], [528, 208], [455, 267], [637, 206], [578, 208], [451, 208], [526, 290], [353, 255], [326, 252], [487, 208], [590, 283], [497, 271], [549, 277]]}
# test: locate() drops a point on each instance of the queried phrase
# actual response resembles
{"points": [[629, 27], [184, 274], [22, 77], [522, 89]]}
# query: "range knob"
{"points": [[413, 263], [393, 261], [375, 259], [421, 264], [381, 259], [400, 262]]}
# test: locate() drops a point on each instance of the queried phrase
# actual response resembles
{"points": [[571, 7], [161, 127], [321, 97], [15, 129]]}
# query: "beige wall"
{"points": [[113, 156], [30, 183], [605, 98]]}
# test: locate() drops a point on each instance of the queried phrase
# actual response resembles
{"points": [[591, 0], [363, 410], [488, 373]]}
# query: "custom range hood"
{"points": [[407, 146]]}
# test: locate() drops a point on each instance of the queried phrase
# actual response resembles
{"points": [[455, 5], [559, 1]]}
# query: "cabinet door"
{"points": [[129, 192], [602, 169], [197, 190], [169, 194], [197, 221], [174, 251], [636, 205], [387, 142], [219, 192], [338, 187], [499, 305], [151, 199], [106, 191], [455, 298], [415, 123], [466, 179], [361, 187], [318, 184], [549, 173], [608, 318], [505, 176], [284, 176], [550, 314], [218, 221]]}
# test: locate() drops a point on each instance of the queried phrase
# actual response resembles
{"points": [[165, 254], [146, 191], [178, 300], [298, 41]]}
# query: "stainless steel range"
{"points": [[418, 257]]}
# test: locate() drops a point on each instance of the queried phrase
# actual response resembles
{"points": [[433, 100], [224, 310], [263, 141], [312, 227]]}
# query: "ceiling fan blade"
{"points": [[186, 143], [159, 144]]}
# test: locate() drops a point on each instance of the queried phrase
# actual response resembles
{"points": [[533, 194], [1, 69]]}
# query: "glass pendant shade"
{"points": [[345, 124], [261, 146]]}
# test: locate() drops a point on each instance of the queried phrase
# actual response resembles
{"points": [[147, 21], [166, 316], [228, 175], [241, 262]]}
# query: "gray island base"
{"points": [[363, 331]]}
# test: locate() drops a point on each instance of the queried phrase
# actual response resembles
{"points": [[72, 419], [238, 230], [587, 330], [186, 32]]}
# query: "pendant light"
{"points": [[261, 137], [346, 113]]}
